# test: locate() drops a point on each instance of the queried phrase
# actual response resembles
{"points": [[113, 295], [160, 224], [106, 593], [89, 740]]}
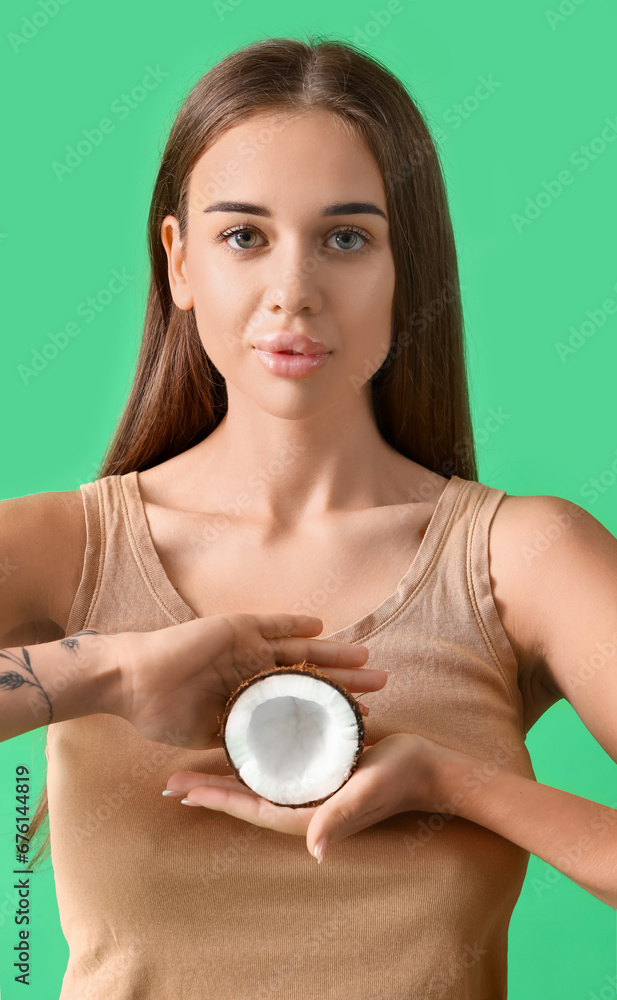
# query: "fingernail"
{"points": [[363, 708], [188, 802], [320, 850], [170, 791]]}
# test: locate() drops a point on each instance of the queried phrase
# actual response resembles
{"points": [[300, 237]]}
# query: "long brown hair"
{"points": [[420, 393]]}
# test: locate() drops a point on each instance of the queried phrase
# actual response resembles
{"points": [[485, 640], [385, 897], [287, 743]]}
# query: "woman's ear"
{"points": [[176, 265]]}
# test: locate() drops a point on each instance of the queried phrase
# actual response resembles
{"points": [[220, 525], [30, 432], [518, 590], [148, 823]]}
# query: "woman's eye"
{"points": [[245, 237], [349, 239]]}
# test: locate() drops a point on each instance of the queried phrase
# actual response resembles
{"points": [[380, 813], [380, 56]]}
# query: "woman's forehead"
{"points": [[309, 159]]}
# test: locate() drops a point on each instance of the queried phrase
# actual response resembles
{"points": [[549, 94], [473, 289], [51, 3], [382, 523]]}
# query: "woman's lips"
{"points": [[291, 365]]}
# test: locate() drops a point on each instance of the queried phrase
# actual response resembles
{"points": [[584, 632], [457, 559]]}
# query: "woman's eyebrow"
{"points": [[339, 208]]}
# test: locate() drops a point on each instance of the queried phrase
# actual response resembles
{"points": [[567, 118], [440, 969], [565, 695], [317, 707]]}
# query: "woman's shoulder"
{"points": [[43, 537], [525, 529], [526, 537]]}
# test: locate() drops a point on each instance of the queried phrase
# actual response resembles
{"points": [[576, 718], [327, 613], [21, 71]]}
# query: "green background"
{"points": [[527, 288]]}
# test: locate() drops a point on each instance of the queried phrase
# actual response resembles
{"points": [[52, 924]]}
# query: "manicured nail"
{"points": [[170, 791], [320, 850], [188, 802]]}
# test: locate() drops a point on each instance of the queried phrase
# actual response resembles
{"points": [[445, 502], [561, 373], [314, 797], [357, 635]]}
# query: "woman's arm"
{"points": [[54, 681], [563, 564], [42, 542], [575, 835]]}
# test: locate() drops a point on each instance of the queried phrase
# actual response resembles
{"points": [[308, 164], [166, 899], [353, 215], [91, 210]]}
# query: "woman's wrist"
{"points": [[106, 693], [87, 675], [449, 775]]}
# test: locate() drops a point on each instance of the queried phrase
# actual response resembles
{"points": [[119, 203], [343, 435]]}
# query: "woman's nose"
{"points": [[294, 283]]}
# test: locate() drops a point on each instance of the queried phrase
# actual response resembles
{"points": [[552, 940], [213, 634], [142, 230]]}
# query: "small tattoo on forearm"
{"points": [[71, 641], [10, 680]]}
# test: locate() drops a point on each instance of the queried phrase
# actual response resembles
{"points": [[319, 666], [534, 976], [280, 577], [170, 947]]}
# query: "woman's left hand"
{"points": [[396, 774]]}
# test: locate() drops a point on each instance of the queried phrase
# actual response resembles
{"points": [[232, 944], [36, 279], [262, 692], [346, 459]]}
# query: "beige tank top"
{"points": [[158, 901]]}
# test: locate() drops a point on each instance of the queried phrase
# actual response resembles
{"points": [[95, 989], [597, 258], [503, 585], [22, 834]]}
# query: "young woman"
{"points": [[253, 499]]}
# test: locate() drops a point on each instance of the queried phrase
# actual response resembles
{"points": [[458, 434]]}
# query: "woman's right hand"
{"points": [[179, 679]]}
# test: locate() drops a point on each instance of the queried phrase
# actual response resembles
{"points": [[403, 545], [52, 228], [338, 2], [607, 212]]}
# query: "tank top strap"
{"points": [[92, 565], [453, 598], [116, 592], [483, 502]]}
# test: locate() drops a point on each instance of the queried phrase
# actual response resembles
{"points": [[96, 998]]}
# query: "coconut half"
{"points": [[292, 735]]}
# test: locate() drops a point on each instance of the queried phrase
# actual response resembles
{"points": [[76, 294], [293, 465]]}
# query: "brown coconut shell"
{"points": [[296, 668]]}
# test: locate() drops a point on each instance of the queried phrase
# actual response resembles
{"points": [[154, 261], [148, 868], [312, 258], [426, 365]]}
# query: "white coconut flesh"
{"points": [[293, 738]]}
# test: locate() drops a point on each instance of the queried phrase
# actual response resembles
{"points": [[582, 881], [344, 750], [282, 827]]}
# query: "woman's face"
{"points": [[285, 269]]}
